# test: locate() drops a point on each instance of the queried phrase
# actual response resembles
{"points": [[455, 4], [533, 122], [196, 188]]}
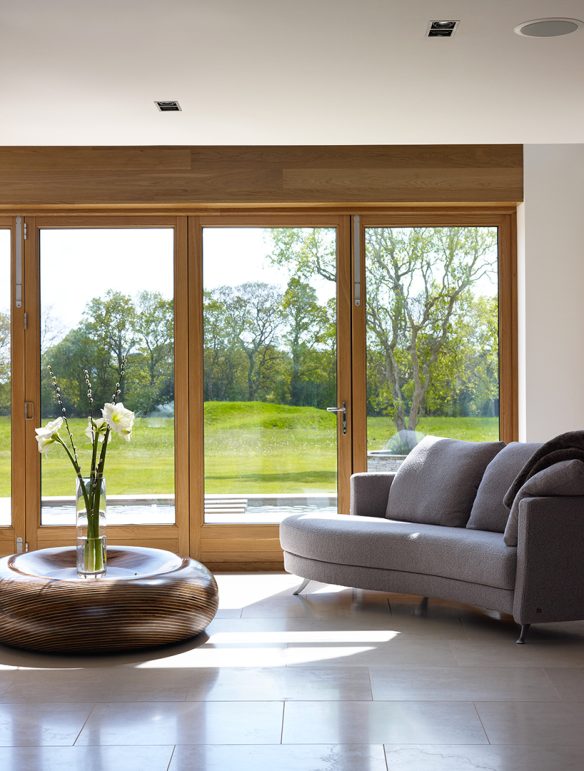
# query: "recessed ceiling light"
{"points": [[168, 106], [548, 27], [442, 28]]}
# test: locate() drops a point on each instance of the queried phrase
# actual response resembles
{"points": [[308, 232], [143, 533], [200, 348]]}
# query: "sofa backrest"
{"points": [[488, 510], [438, 481]]}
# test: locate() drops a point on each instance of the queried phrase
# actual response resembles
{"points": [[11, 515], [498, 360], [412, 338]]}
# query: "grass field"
{"points": [[249, 448]]}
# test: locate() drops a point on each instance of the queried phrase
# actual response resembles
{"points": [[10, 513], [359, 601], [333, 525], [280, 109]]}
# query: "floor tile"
{"points": [[228, 613], [7, 677], [504, 653], [315, 757], [212, 722], [533, 723], [350, 684], [381, 722], [400, 651], [461, 684], [85, 758], [31, 725], [105, 684], [326, 604], [429, 757], [568, 682]]}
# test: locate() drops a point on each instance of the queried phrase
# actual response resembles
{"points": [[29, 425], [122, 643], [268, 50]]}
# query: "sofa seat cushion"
{"points": [[488, 510], [438, 481], [473, 556]]}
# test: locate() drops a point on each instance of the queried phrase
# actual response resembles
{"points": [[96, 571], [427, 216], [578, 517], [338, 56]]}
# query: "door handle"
{"points": [[340, 410]]}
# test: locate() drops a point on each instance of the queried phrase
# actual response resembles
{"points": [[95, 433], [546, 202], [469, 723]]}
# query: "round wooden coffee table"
{"points": [[148, 597]]}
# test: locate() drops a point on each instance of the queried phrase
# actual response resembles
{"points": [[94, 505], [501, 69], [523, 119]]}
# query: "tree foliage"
{"points": [[432, 337]]}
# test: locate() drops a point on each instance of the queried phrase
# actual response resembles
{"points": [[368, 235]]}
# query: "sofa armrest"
{"points": [[369, 493], [550, 560]]}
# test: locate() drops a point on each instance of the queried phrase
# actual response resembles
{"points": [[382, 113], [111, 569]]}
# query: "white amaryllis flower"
{"points": [[119, 419], [49, 434], [96, 426]]}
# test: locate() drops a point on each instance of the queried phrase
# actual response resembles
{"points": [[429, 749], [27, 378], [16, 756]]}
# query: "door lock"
{"points": [[342, 410]]}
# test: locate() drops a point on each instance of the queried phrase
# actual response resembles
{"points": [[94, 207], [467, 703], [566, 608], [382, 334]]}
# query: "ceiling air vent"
{"points": [[172, 106], [442, 28]]}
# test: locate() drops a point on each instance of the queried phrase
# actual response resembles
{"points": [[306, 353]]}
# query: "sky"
{"points": [[232, 256], [77, 265]]}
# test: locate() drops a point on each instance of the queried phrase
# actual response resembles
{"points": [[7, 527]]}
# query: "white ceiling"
{"points": [[286, 72]]}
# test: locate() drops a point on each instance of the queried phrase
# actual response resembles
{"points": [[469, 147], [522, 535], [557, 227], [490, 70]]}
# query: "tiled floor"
{"points": [[336, 679]]}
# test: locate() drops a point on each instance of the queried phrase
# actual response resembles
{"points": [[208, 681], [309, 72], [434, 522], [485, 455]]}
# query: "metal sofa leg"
{"points": [[302, 586], [522, 634], [422, 609]]}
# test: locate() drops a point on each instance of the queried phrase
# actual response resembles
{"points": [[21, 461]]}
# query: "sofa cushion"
{"points": [[564, 478], [475, 556], [488, 510], [437, 483]]}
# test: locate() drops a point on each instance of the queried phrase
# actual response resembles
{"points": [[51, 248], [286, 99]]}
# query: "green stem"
{"points": [[77, 471]]}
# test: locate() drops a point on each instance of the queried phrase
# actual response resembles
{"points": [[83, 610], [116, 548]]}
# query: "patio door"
{"points": [[103, 294], [271, 409], [434, 332]]}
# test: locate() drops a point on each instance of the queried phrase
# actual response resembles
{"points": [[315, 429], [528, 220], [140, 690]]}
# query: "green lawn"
{"points": [[249, 448]]}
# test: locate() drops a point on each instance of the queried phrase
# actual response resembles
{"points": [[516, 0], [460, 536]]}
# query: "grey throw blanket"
{"points": [[569, 446]]}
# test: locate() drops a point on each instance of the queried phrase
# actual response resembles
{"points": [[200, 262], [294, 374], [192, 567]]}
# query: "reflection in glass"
{"points": [[269, 372], [432, 338], [106, 296], [5, 383]]}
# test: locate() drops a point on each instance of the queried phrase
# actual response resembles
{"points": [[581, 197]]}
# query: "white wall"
{"points": [[551, 292]]}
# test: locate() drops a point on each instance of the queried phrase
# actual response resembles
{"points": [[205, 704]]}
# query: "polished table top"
{"points": [[124, 563]]}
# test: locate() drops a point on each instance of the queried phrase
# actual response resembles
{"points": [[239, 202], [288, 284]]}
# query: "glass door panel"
{"points": [[432, 337], [106, 295], [5, 382], [270, 372]]}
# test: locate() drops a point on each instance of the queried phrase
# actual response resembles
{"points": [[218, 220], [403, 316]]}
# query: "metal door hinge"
{"points": [[25, 320], [25, 231], [21, 545]]}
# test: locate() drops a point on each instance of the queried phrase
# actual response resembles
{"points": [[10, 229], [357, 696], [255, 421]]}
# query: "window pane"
{"points": [[107, 295], [270, 372], [432, 338], [5, 383]]}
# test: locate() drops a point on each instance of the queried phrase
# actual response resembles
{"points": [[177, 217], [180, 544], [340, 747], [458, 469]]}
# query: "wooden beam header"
{"points": [[260, 176]]}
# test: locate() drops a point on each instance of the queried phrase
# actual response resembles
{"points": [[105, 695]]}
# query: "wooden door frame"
{"points": [[172, 537], [257, 546], [503, 218], [16, 529]]}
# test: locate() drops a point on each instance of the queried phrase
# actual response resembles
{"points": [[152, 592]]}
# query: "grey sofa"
{"points": [[439, 528]]}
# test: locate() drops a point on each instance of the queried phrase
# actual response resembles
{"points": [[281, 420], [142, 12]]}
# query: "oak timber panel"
{"points": [[125, 176]]}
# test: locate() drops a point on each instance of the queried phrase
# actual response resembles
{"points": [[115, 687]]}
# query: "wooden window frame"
{"points": [[172, 537], [505, 221]]}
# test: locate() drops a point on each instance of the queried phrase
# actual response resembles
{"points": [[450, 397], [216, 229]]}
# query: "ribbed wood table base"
{"points": [[148, 597]]}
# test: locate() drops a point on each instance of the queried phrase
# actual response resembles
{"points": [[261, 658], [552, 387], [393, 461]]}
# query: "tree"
{"points": [[255, 317], [154, 344], [110, 322], [417, 279], [305, 320], [223, 357]]}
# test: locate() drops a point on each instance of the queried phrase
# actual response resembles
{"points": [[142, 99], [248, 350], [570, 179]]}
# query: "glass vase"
{"points": [[90, 504]]}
